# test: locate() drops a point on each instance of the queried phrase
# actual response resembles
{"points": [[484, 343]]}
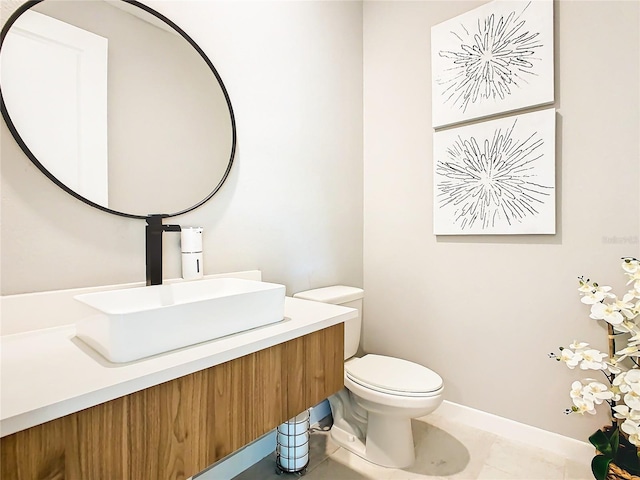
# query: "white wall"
{"points": [[292, 205], [484, 311]]}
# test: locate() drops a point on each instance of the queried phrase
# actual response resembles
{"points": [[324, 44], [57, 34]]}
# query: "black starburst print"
{"points": [[491, 182], [492, 60]]}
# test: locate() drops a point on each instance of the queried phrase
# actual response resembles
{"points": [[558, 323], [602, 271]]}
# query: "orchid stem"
{"points": [[612, 351]]}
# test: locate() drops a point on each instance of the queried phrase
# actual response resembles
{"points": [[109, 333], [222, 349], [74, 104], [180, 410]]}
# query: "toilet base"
{"points": [[389, 441]]}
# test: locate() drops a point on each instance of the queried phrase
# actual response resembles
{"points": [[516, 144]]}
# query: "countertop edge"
{"points": [[49, 412]]}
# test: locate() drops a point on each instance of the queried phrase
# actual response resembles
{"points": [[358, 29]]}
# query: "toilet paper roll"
{"points": [[296, 425], [292, 440], [293, 464], [293, 452]]}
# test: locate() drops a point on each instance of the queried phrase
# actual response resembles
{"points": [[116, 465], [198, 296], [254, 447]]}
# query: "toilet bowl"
{"points": [[372, 414]]}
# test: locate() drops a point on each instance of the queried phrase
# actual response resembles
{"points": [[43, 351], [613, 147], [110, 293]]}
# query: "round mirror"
{"points": [[116, 104]]}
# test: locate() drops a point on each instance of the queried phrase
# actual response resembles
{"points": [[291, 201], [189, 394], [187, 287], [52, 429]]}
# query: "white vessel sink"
{"points": [[134, 323]]}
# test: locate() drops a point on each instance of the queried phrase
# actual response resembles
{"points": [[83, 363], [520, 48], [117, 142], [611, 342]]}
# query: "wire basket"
{"points": [[292, 444]]}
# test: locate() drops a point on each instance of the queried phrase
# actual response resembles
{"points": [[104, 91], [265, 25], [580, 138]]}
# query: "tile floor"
{"points": [[444, 450]]}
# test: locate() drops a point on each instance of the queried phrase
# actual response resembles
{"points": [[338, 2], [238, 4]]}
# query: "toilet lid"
{"points": [[393, 374]]}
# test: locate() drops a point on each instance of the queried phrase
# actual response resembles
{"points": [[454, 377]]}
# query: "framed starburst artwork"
{"points": [[496, 177], [493, 59]]}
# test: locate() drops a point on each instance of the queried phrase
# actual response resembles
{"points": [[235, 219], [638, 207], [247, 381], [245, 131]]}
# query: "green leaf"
{"points": [[600, 466], [614, 441], [600, 440]]}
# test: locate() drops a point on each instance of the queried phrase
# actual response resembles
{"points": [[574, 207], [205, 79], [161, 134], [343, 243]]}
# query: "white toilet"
{"points": [[372, 415]]}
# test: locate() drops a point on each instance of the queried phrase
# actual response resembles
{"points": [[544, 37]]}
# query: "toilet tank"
{"points": [[347, 297]]}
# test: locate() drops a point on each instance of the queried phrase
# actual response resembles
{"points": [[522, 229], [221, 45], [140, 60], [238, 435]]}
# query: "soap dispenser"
{"points": [[191, 247]]}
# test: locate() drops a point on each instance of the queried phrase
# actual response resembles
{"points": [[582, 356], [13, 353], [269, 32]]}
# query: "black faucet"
{"points": [[153, 236]]}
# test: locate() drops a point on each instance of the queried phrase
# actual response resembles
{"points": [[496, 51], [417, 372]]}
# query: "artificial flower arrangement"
{"points": [[616, 445]]}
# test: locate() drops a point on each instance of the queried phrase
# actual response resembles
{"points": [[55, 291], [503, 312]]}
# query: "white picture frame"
{"points": [[494, 59], [496, 177]]}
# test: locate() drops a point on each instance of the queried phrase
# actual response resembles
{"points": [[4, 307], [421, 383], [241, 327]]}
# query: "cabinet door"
{"points": [[35, 453], [313, 368], [163, 433], [96, 441], [324, 364]]}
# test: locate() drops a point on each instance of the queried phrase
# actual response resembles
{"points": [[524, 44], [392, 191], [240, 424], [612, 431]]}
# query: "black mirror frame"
{"points": [[14, 132]]}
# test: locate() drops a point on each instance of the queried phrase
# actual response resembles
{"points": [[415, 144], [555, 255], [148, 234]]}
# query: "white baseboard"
{"points": [[567, 447]]}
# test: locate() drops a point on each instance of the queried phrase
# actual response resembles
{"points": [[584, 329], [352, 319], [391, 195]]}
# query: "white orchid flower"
{"points": [[584, 406], [632, 400], [593, 296], [630, 351], [626, 381], [620, 384], [593, 293], [570, 358], [623, 412], [612, 367], [632, 429], [632, 389], [592, 359], [576, 390], [625, 306], [597, 392], [607, 312]]}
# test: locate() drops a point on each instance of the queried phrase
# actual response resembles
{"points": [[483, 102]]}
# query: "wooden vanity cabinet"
{"points": [[177, 429]]}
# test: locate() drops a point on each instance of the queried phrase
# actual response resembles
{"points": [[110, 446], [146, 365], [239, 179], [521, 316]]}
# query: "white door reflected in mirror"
{"points": [[66, 122]]}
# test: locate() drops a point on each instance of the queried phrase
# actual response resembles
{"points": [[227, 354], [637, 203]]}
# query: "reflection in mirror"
{"points": [[116, 105]]}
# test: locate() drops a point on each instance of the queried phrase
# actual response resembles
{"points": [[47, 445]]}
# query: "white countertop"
{"points": [[47, 374]]}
